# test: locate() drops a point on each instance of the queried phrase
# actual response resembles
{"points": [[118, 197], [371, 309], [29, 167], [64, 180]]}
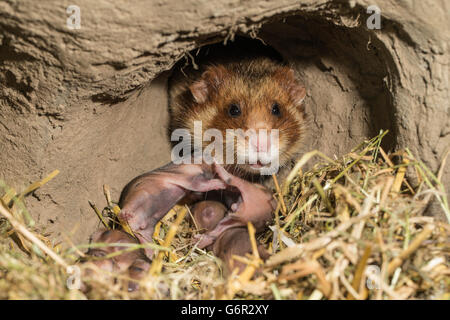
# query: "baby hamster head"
{"points": [[259, 95]]}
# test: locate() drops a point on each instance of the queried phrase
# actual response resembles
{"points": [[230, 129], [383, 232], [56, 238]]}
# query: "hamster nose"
{"points": [[260, 142]]}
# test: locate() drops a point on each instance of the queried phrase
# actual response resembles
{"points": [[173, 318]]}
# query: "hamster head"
{"points": [[256, 106]]}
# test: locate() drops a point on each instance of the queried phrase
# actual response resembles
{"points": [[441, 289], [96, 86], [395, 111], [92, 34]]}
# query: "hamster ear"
{"points": [[297, 92], [210, 80], [199, 90]]}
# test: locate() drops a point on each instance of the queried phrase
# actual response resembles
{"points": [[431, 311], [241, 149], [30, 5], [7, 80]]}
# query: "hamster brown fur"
{"points": [[258, 87]]}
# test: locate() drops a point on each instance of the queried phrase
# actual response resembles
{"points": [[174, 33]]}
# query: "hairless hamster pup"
{"points": [[250, 94], [207, 214], [255, 205], [134, 262], [233, 241], [148, 197]]}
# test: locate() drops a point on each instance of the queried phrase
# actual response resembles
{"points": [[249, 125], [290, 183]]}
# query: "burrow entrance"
{"points": [[345, 72]]}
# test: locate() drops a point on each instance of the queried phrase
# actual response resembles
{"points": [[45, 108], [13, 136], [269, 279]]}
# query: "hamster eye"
{"points": [[276, 109], [234, 110]]}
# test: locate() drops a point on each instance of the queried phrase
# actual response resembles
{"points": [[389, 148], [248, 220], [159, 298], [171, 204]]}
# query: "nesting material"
{"points": [[348, 228]]}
